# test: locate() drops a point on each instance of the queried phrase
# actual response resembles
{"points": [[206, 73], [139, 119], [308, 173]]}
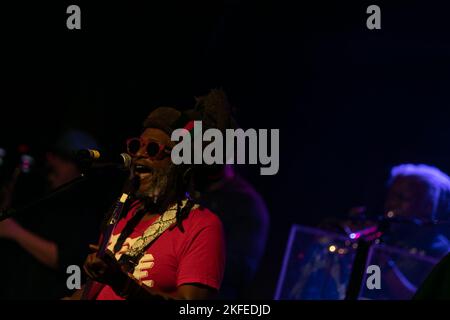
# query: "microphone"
{"points": [[93, 159]]}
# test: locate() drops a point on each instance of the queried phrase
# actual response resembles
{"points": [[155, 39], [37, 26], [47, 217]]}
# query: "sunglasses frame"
{"points": [[163, 149]]}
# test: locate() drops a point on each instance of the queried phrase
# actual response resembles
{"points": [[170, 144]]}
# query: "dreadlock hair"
{"points": [[183, 184], [215, 111]]}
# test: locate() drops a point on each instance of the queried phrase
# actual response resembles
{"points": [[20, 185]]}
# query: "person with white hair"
{"points": [[419, 191], [423, 192], [418, 205]]}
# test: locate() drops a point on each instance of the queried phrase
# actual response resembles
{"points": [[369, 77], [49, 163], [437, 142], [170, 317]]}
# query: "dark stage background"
{"points": [[349, 102]]}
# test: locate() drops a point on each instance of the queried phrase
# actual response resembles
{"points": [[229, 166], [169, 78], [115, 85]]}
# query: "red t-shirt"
{"points": [[196, 255]]}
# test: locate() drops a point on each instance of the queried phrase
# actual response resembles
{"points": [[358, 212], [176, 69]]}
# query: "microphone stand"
{"points": [[358, 268], [114, 214], [361, 260], [8, 213], [364, 245], [83, 177]]}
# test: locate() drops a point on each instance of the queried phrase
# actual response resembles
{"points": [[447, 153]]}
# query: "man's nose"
{"points": [[142, 152]]}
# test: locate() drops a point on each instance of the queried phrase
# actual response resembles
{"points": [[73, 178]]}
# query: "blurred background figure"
{"points": [[246, 222], [419, 196], [416, 211], [417, 208], [412, 235], [41, 243], [22, 169]]}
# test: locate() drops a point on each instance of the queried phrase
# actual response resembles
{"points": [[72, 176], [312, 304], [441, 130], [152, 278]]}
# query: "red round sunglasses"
{"points": [[153, 149]]}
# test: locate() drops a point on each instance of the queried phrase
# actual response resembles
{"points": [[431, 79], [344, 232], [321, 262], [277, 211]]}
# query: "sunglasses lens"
{"points": [[152, 149], [133, 146]]}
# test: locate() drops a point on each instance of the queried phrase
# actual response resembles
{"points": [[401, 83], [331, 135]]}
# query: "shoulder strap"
{"points": [[131, 258]]}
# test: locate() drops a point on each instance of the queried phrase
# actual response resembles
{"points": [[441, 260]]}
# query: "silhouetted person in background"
{"points": [[246, 222], [43, 242]]}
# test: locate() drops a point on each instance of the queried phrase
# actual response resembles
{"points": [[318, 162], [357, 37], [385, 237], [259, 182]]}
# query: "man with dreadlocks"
{"points": [[166, 246]]}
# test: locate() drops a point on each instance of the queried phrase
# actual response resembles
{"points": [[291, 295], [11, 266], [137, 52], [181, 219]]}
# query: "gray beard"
{"points": [[161, 184]]}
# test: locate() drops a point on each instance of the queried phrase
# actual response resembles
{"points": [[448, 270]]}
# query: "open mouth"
{"points": [[141, 169]]}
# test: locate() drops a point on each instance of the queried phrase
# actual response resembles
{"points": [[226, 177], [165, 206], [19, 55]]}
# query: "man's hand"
{"points": [[105, 269], [108, 271], [9, 229]]}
